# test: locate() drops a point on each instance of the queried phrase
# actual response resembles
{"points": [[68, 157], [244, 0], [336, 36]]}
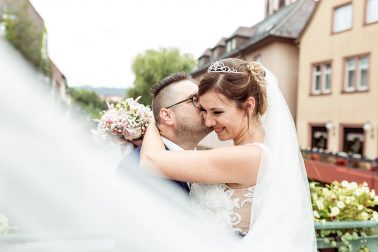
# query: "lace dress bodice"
{"points": [[227, 206]]}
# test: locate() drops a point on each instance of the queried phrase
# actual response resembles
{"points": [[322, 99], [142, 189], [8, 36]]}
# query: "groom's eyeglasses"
{"points": [[193, 98]]}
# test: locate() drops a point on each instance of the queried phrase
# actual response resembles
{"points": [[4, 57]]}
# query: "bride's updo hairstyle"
{"points": [[237, 80]]}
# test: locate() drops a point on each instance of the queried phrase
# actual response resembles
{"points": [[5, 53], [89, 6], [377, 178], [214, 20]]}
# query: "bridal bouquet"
{"points": [[127, 119]]}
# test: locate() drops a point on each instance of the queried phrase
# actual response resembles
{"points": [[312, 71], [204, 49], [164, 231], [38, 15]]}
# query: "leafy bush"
{"points": [[343, 202]]}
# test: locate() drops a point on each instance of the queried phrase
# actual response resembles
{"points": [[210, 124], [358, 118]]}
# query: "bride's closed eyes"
{"points": [[214, 112]]}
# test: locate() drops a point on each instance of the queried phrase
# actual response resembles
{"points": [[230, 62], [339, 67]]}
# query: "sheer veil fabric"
{"points": [[282, 218], [59, 190]]}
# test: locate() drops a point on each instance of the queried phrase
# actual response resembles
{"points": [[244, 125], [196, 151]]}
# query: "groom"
{"points": [[177, 115]]}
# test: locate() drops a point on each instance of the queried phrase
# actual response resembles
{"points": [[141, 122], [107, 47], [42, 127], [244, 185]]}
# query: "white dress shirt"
{"points": [[174, 147]]}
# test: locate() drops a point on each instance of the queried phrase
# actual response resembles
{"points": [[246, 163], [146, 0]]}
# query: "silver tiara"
{"points": [[219, 67]]}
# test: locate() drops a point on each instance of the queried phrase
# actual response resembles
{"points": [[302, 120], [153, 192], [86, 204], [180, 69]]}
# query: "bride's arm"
{"points": [[235, 164]]}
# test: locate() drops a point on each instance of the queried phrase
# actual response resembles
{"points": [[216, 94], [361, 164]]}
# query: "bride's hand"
{"points": [[152, 128], [137, 142]]}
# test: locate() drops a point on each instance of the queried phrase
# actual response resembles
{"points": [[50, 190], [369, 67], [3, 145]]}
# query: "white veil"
{"points": [[281, 213], [58, 189], [59, 192]]}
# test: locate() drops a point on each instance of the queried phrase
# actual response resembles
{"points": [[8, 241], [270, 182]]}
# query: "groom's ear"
{"points": [[166, 116]]}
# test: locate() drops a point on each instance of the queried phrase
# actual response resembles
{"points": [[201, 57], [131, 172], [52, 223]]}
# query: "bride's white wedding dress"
{"points": [[227, 206], [230, 207]]}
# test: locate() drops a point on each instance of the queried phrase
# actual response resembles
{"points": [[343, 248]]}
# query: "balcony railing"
{"points": [[370, 241]]}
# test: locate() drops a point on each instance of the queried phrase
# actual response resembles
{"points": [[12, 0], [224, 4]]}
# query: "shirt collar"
{"points": [[171, 145]]}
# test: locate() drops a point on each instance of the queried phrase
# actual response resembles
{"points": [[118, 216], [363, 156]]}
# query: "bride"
{"points": [[258, 187]]}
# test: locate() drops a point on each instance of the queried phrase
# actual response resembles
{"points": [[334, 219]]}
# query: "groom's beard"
{"points": [[188, 130]]}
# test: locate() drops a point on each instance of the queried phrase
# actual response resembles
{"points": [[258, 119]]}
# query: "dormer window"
{"points": [[201, 62], [231, 45], [215, 54]]}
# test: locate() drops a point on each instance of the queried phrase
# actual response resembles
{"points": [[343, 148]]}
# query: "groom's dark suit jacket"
{"points": [[131, 161]]}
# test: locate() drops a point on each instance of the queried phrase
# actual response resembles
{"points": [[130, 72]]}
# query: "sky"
{"points": [[94, 42]]}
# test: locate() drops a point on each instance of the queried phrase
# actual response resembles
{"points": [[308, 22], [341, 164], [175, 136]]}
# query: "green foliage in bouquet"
{"points": [[344, 202]]}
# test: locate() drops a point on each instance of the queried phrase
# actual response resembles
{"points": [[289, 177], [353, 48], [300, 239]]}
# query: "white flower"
{"points": [[320, 204], [344, 183], [358, 192], [375, 216], [3, 224], [364, 216], [365, 189], [376, 200], [352, 185], [326, 192], [316, 214], [349, 199], [360, 207], [372, 193], [340, 204], [335, 211]]}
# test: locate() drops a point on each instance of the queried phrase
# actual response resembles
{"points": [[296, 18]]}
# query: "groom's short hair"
{"points": [[161, 96]]}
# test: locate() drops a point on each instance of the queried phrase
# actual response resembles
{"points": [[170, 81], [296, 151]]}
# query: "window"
{"points": [[327, 78], [356, 74], [319, 137], [201, 62], [363, 73], [231, 45], [371, 11], [342, 18], [353, 140], [228, 49], [215, 54], [350, 73], [321, 78]]}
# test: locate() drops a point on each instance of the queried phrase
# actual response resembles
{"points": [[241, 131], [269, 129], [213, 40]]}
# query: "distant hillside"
{"points": [[104, 91]]}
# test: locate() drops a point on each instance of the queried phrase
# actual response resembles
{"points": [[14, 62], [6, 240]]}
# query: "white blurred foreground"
{"points": [[59, 191]]}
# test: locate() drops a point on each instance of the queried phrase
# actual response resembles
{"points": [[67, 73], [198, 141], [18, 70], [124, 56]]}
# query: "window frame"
{"points": [[231, 44], [333, 18], [343, 127], [322, 77], [365, 22], [311, 127], [357, 76]]}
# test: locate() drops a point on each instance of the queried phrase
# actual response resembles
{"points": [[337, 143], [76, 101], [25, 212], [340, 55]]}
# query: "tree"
{"points": [[88, 101], [153, 65], [26, 35]]}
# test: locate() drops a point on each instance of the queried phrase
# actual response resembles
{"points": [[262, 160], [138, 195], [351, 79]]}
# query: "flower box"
{"points": [[330, 244], [315, 156], [341, 161]]}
